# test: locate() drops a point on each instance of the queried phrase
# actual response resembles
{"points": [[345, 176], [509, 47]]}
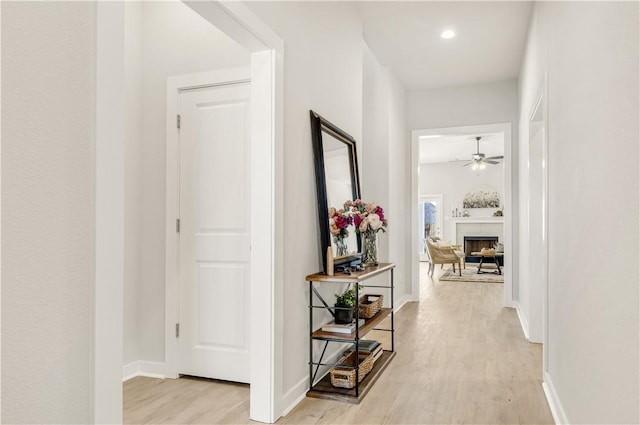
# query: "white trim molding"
{"points": [[143, 368], [240, 24], [522, 318], [108, 300], [559, 415], [290, 400], [295, 395], [402, 302], [130, 371]]}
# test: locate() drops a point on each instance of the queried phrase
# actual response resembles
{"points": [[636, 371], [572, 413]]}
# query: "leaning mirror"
{"points": [[337, 181]]}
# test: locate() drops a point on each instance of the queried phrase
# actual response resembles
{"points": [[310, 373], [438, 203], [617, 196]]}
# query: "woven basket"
{"points": [[343, 376], [369, 305]]}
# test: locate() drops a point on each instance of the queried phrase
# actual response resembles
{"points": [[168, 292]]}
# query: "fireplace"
{"points": [[476, 243]]}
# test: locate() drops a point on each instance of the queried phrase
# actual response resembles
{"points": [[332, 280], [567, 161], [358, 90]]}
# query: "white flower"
{"points": [[374, 221]]}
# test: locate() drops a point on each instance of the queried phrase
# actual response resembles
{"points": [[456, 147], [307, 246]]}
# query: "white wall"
{"points": [[473, 105], [590, 51], [47, 201], [374, 178], [467, 105], [163, 39], [384, 175], [398, 208], [453, 181], [323, 72]]}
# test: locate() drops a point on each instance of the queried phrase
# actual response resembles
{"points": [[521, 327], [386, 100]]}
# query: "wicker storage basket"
{"points": [[344, 377], [369, 305]]}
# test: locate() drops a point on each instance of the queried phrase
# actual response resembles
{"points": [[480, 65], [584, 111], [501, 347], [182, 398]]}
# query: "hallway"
{"points": [[461, 358]]}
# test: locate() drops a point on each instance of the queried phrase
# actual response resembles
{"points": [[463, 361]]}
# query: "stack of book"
{"points": [[372, 347], [368, 346], [342, 329]]}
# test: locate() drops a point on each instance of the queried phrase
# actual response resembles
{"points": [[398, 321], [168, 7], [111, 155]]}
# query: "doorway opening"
{"points": [[114, 164], [430, 215], [464, 215], [203, 113]]}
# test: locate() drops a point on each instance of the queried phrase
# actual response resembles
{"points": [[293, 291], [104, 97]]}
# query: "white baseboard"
{"points": [[511, 303], [129, 371], [152, 369], [299, 391], [559, 416], [143, 368], [402, 302], [295, 395], [524, 323]]}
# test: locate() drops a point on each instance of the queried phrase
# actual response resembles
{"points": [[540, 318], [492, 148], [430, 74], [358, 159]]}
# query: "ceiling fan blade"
{"points": [[468, 163], [496, 157], [491, 162]]}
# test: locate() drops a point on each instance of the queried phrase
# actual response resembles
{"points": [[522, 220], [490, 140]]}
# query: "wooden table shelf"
{"points": [[364, 329], [323, 388]]}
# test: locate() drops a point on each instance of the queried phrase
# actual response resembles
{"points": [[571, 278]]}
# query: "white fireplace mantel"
{"points": [[476, 226], [477, 219]]}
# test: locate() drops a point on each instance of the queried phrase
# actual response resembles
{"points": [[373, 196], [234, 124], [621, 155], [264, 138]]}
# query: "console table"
{"points": [[322, 388]]}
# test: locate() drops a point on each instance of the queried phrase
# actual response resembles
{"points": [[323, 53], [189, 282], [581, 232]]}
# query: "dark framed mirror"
{"points": [[336, 165]]}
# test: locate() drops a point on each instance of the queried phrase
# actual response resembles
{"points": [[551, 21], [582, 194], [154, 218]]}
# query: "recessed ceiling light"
{"points": [[448, 34]]}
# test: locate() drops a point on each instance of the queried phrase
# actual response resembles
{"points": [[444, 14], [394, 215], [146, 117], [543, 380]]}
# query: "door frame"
{"points": [[267, 93], [510, 194], [175, 84], [538, 331]]}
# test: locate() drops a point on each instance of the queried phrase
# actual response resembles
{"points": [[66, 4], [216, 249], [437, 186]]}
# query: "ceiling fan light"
{"points": [[483, 165]]}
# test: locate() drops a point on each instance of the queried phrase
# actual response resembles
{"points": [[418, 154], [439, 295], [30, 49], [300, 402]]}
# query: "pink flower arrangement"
{"points": [[366, 216], [339, 220]]}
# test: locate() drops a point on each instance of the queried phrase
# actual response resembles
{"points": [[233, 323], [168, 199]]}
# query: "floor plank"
{"points": [[461, 359]]}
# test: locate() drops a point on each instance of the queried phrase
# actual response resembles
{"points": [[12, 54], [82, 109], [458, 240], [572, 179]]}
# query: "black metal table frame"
{"points": [[312, 291], [496, 261]]}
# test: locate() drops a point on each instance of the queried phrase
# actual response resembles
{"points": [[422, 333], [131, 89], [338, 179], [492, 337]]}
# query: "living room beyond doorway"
{"points": [[468, 169]]}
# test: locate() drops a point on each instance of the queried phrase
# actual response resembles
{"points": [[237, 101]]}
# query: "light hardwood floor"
{"points": [[461, 358]]}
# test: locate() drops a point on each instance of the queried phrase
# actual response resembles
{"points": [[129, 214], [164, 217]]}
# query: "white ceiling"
{"points": [[448, 148], [488, 46]]}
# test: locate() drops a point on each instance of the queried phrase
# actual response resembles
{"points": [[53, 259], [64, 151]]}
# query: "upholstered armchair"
{"points": [[445, 254]]}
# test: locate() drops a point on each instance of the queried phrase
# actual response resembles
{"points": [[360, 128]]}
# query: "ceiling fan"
{"points": [[478, 161]]}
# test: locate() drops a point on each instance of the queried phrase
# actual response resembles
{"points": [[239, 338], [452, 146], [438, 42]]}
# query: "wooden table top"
{"points": [[480, 254], [354, 276]]}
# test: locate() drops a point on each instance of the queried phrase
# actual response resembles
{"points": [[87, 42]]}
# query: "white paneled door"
{"points": [[214, 232]]}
